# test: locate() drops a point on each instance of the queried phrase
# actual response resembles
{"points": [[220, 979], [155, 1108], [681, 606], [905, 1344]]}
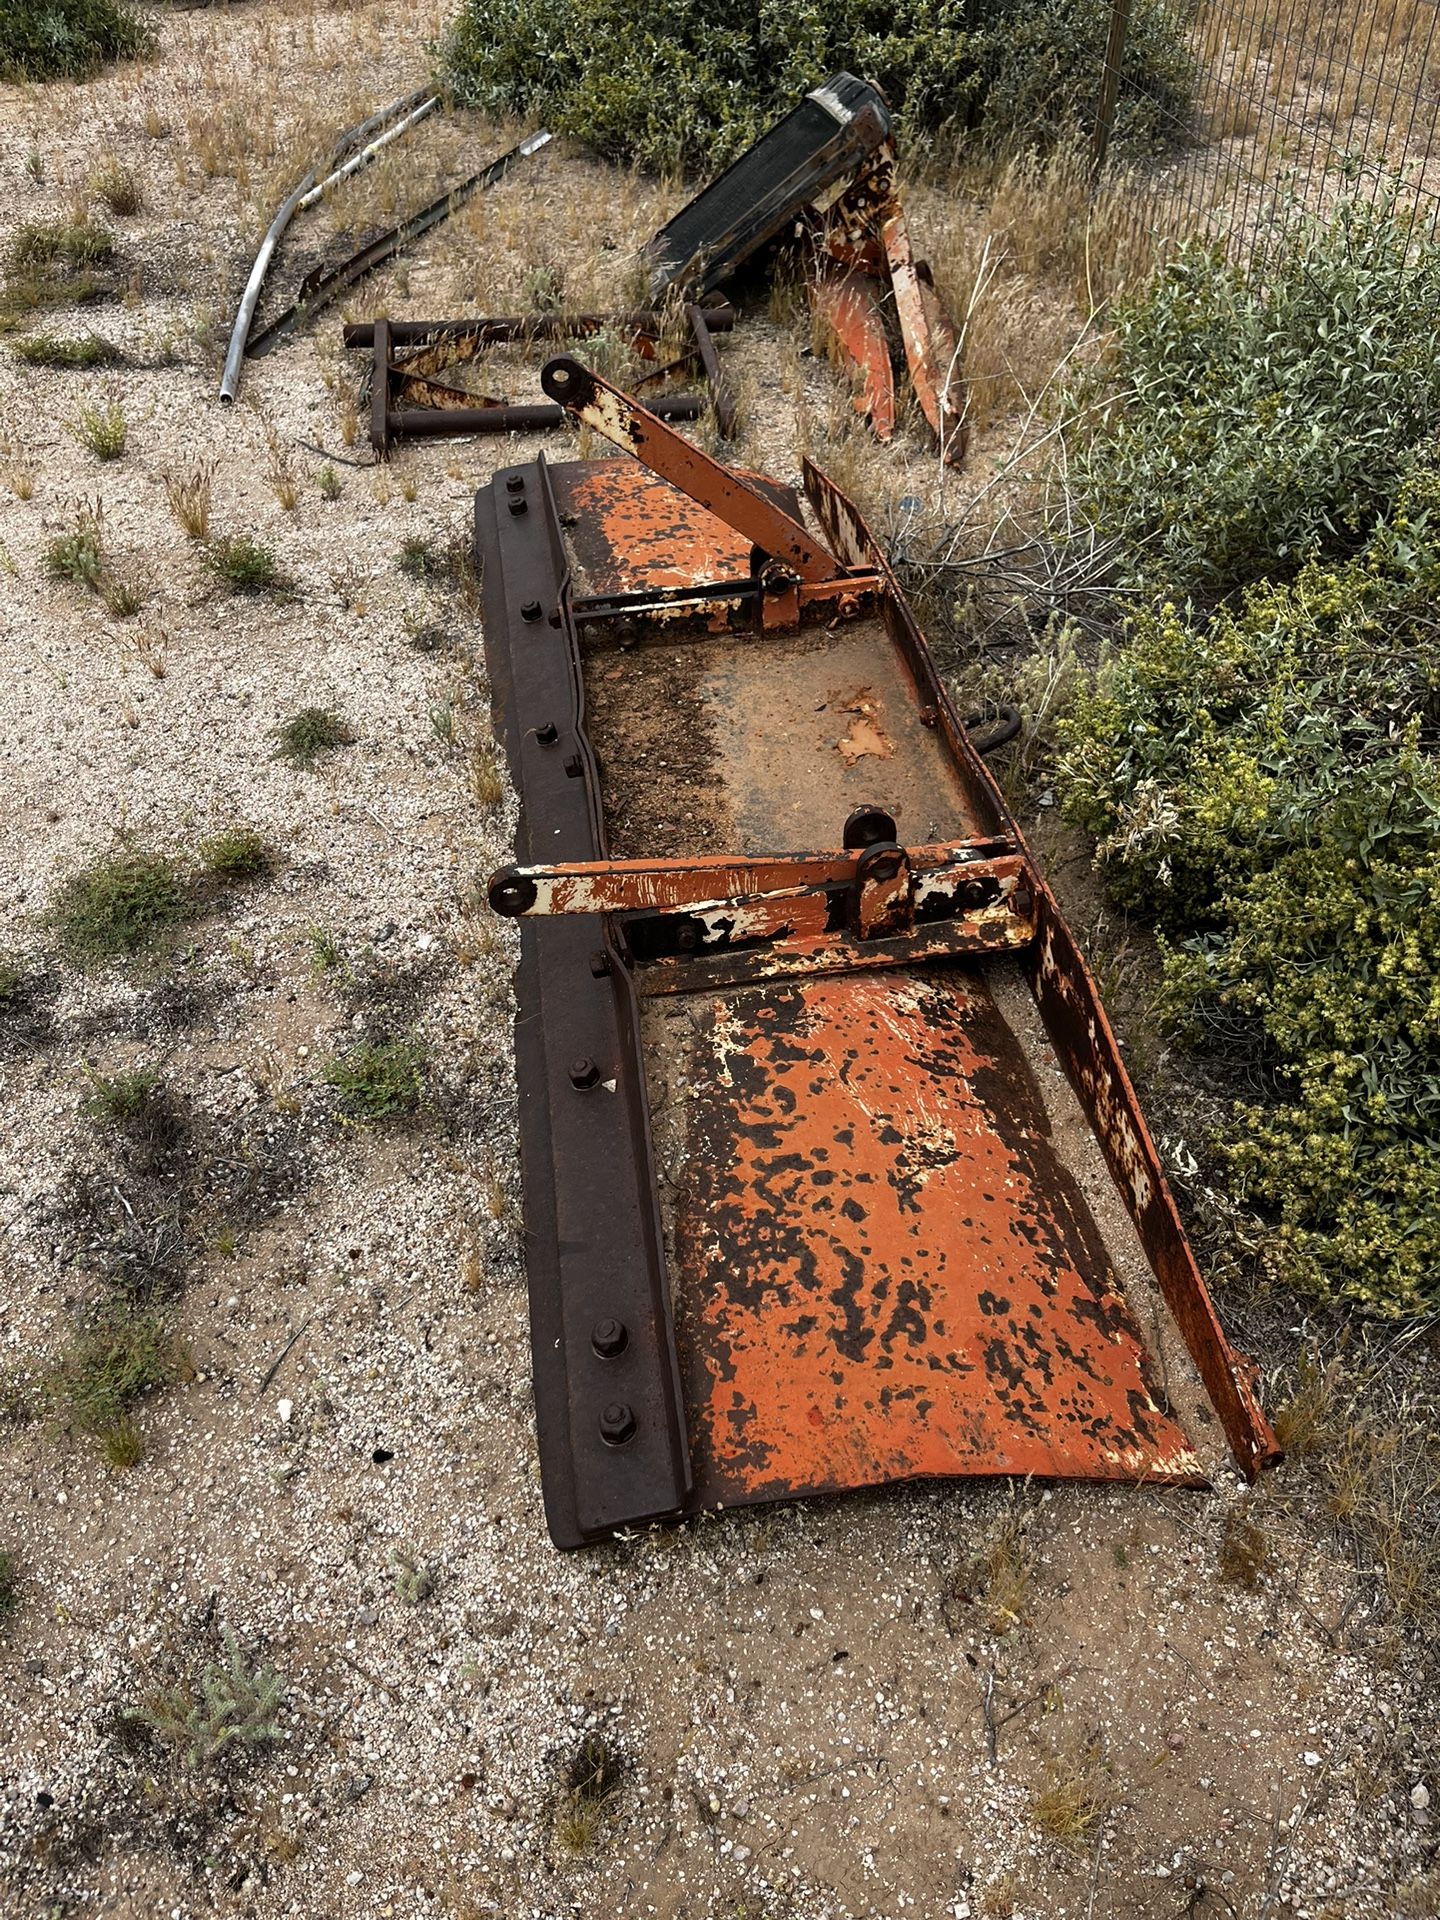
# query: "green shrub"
{"points": [[243, 565], [67, 39], [119, 905], [692, 88], [1261, 420], [237, 853], [54, 350], [306, 735], [116, 1353], [1266, 782], [60, 245]]}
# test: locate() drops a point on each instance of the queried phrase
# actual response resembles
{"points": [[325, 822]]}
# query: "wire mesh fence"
{"points": [[1292, 103]]}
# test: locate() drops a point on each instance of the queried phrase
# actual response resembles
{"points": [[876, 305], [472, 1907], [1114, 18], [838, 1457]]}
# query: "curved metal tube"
{"points": [[298, 197]]}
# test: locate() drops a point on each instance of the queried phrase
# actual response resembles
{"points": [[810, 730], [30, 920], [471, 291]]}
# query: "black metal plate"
{"points": [[592, 1228]]}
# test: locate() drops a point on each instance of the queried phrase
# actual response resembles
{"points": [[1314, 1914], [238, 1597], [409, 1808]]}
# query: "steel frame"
{"points": [[610, 1405], [407, 398]]}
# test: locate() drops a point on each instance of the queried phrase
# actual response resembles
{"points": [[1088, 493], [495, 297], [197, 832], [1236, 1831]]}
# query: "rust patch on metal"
{"points": [[864, 738], [848, 305], [883, 1269]]}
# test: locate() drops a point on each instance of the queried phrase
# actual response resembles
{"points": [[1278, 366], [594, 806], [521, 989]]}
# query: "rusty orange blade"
{"points": [[886, 1270], [848, 302], [932, 348]]}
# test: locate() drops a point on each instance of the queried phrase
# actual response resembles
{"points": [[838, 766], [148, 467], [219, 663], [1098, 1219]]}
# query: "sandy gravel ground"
{"points": [[883, 1706]]}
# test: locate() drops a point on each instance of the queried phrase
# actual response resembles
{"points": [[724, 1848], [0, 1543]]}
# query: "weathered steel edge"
{"points": [[594, 1248], [1069, 1004]]}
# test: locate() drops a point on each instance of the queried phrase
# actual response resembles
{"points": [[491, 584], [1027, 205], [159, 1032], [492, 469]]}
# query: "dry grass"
{"points": [[1075, 1797], [280, 472], [118, 186], [1307, 1422], [189, 491], [1244, 1550]]}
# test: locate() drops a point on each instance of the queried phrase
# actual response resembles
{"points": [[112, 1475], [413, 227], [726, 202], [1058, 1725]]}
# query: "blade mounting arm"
{"points": [[623, 421]]}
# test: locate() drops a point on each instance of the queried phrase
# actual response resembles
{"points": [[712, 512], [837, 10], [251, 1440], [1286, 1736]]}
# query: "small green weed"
{"points": [[119, 905], [420, 559], [102, 428], [244, 565], [51, 245], [326, 953], [121, 1098], [313, 731], [57, 350], [414, 1582], [9, 1584], [78, 556], [116, 1353], [236, 1700], [239, 853], [327, 484], [377, 1080], [240, 564]]}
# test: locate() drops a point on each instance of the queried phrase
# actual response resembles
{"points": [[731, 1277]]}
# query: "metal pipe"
{"points": [[530, 326], [245, 312], [434, 423], [368, 153], [249, 300], [318, 289]]}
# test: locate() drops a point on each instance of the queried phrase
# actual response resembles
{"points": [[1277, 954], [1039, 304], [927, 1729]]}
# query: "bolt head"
{"points": [[547, 733], [617, 1424], [518, 504], [609, 1337], [584, 1073], [531, 610], [515, 484]]}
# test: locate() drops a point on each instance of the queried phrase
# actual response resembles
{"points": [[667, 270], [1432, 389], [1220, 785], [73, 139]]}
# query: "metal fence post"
{"points": [[1110, 80]]}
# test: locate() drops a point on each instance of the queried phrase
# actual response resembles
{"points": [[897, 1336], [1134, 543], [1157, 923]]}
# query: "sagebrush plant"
{"points": [[694, 89], [1243, 423], [1265, 782], [68, 39]]}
